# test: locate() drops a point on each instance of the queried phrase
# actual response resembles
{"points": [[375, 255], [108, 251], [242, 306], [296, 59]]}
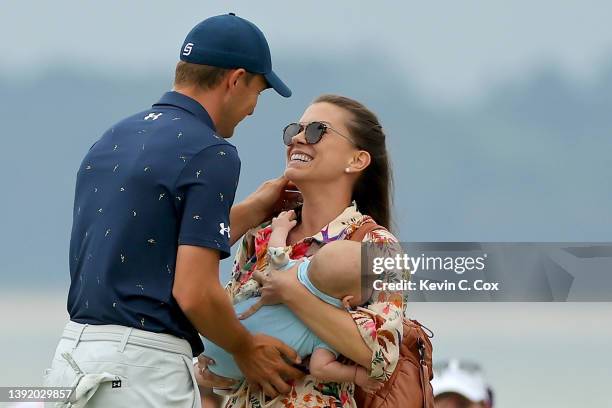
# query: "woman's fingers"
{"points": [[372, 386], [277, 287], [369, 390], [250, 310], [259, 276]]}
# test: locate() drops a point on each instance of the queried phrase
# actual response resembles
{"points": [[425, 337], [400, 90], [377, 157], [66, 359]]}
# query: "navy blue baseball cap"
{"points": [[228, 41]]}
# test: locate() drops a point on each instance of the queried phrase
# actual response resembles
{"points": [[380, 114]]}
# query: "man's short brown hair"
{"points": [[204, 76]]}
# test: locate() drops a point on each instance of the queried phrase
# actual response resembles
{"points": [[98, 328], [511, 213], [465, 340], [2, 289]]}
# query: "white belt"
{"points": [[126, 335]]}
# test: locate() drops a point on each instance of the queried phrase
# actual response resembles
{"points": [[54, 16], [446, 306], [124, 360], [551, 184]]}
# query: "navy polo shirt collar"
{"points": [[184, 102]]}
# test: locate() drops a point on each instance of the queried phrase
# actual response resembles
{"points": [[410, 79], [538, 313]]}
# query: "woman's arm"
{"points": [[325, 320]]}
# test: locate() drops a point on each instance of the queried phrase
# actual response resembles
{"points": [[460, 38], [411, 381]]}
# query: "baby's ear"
{"points": [[346, 302]]}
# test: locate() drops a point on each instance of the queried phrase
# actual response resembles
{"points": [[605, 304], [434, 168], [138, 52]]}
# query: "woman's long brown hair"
{"points": [[374, 188]]}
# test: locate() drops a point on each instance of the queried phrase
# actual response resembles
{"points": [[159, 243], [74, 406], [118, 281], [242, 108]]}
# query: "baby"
{"points": [[333, 275]]}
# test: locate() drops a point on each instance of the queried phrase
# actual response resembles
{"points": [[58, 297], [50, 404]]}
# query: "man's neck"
{"points": [[209, 99]]}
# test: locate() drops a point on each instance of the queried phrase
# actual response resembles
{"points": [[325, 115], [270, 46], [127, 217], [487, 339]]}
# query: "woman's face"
{"points": [[326, 160]]}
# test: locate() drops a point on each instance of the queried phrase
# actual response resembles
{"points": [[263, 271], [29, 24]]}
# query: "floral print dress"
{"points": [[379, 321]]}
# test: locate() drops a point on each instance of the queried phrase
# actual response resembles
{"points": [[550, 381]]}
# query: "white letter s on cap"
{"points": [[187, 49]]}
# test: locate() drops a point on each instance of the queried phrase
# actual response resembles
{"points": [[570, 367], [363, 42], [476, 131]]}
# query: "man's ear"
{"points": [[360, 161], [234, 78]]}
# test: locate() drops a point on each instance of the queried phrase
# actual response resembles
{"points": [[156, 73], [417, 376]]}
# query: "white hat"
{"points": [[454, 377]]}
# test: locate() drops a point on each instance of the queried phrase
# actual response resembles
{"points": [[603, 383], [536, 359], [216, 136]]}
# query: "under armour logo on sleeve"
{"points": [[223, 229]]}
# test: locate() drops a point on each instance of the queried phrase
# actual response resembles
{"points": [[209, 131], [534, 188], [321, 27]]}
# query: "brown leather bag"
{"points": [[409, 385]]}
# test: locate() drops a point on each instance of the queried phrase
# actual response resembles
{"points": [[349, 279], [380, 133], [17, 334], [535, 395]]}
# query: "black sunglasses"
{"points": [[313, 132]]}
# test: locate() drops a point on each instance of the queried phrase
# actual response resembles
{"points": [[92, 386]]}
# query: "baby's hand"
{"points": [[366, 383], [284, 221]]}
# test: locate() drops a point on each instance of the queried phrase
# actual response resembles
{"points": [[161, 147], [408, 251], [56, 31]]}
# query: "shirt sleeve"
{"points": [[380, 321], [241, 286], [207, 186]]}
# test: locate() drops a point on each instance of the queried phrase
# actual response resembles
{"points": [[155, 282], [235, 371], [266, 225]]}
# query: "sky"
{"points": [[450, 51]]}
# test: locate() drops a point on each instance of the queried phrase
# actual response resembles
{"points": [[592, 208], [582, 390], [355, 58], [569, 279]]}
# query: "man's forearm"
{"points": [[242, 217], [326, 321], [213, 316]]}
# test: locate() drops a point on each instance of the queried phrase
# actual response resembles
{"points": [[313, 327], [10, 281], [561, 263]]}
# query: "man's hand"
{"points": [[273, 196], [262, 364], [270, 198]]}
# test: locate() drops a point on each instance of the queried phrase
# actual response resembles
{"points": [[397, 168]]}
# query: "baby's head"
{"points": [[336, 271]]}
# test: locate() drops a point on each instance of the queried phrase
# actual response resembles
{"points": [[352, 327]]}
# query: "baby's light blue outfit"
{"points": [[277, 321]]}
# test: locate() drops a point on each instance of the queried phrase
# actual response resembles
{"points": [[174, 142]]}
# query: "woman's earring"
{"points": [[347, 170]]}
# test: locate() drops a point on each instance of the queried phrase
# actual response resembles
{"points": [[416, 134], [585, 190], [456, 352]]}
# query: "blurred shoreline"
{"points": [[526, 349]]}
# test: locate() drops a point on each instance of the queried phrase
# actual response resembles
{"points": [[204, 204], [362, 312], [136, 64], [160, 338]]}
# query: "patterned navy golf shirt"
{"points": [[155, 180]]}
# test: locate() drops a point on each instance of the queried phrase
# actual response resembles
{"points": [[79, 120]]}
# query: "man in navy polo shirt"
{"points": [[152, 217]]}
